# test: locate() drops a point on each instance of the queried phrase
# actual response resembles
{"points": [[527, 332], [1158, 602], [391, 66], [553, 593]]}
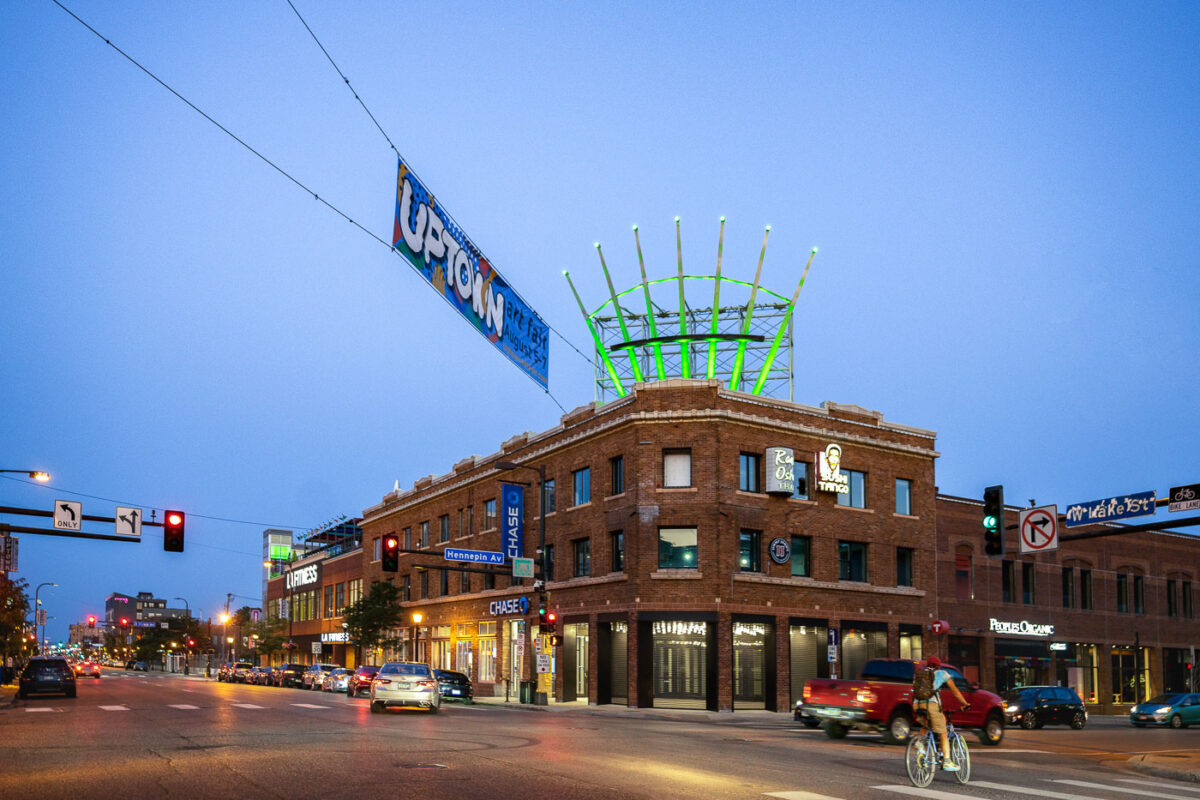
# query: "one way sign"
{"points": [[1039, 529]]}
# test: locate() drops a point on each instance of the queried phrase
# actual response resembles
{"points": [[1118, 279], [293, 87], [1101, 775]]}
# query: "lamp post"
{"points": [[540, 469], [37, 604], [187, 610], [417, 616], [37, 475]]}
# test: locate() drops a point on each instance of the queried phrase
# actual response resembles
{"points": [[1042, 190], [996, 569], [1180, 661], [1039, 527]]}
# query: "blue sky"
{"points": [[1004, 196]]}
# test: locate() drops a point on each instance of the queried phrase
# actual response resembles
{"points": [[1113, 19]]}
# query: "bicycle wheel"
{"points": [[920, 760], [962, 756]]}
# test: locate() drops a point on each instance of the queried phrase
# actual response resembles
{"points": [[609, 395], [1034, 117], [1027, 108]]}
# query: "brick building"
{"points": [[1111, 617], [311, 593], [679, 576]]}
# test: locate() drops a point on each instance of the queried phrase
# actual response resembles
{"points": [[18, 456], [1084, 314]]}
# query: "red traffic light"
{"points": [[551, 618], [391, 553], [91, 621], [391, 543], [191, 642], [173, 522], [124, 621]]}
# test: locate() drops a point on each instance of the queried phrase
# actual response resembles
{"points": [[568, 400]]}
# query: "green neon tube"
{"points": [[712, 345], [633, 361], [658, 361], [612, 371], [762, 375], [736, 377], [685, 349]]}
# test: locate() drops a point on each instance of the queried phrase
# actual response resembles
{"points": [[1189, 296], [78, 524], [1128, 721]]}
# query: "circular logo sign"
{"points": [[780, 550]]}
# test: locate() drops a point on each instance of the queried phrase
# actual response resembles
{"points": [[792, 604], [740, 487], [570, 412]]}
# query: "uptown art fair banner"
{"points": [[452, 264]]}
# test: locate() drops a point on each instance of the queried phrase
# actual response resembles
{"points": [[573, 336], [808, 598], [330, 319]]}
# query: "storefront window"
{"points": [[680, 664], [487, 652], [911, 646], [1084, 677], [859, 646], [677, 548], [463, 662], [809, 643], [1130, 675], [749, 656]]}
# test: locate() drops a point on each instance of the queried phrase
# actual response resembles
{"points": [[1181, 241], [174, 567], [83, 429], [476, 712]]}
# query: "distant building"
{"points": [[144, 610], [81, 633]]}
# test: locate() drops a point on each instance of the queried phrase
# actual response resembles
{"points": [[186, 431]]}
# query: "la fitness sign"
{"points": [[1022, 628], [304, 576]]}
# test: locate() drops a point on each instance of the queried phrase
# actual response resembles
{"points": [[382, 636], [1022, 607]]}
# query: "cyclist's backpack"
{"points": [[923, 684]]}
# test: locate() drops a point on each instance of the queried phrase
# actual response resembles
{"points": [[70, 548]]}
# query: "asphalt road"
{"points": [[143, 735]]}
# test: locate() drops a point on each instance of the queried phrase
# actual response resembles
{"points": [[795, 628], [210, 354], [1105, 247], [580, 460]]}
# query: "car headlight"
{"points": [[1011, 709], [1163, 710]]}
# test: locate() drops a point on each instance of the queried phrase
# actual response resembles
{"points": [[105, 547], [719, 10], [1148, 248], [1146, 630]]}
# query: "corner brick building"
{"points": [[677, 580]]}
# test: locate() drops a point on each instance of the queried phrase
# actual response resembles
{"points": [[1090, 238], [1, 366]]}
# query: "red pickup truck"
{"points": [[882, 701]]}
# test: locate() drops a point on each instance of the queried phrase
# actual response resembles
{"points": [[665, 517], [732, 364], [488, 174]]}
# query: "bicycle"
{"points": [[923, 754]]}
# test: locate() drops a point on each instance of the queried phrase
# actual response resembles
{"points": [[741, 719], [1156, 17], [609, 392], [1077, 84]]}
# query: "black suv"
{"points": [[47, 675], [1035, 706], [454, 685], [289, 675]]}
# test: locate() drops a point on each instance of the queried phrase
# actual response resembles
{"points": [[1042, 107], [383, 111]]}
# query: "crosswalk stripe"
{"points": [[1039, 791], [1126, 789], [1160, 783], [800, 796], [185, 707], [307, 705], [246, 705], [933, 794], [115, 708], [34, 710]]}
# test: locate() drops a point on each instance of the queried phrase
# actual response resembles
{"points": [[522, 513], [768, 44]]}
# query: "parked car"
{"points": [[258, 675], [454, 685], [315, 674], [240, 672], [1178, 710], [882, 701], [46, 674], [360, 681], [290, 675], [405, 683], [1034, 706], [88, 669], [222, 671], [335, 681]]}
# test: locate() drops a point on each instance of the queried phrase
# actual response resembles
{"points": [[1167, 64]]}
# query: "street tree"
{"points": [[14, 610], [371, 622]]}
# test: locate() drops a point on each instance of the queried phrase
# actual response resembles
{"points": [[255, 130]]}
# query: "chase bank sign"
{"points": [[514, 605]]}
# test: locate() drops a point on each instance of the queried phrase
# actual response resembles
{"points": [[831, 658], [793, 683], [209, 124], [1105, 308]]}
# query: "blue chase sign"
{"points": [[512, 520], [1110, 508]]}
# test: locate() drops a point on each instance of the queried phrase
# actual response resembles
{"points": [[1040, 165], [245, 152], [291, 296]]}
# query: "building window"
{"points": [[462, 523], [408, 538], [1008, 577], [1028, 586], [617, 539], [581, 556], [616, 475], [378, 539], [857, 496], [904, 566], [424, 584], [800, 472], [444, 589], [1085, 589], [801, 563], [749, 467], [354, 591], [489, 580], [464, 582], [581, 486], [424, 535], [1139, 594], [1123, 594], [677, 469], [341, 599], [904, 496], [470, 520], [487, 652], [489, 514], [749, 550], [328, 602], [963, 588], [548, 495], [1186, 597], [852, 561], [444, 528], [406, 588], [1068, 587], [677, 548], [549, 562]]}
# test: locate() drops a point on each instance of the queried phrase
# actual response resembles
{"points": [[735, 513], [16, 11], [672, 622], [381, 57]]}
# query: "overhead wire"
{"points": [[264, 158]]}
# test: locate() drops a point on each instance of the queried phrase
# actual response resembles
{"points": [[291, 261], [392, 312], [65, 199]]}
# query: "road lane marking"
{"points": [[35, 710], [1040, 792], [307, 705], [1126, 789], [247, 705], [800, 796], [185, 707], [1160, 783], [115, 708], [934, 794]]}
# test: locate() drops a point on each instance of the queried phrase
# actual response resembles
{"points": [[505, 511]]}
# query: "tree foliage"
{"points": [[14, 614], [371, 622]]}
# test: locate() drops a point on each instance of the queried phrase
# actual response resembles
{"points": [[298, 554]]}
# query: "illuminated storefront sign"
{"points": [[512, 520], [335, 637], [781, 470], [515, 605], [431, 240], [829, 469], [1022, 628], [303, 576]]}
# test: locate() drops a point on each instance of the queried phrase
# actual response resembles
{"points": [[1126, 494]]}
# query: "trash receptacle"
{"points": [[526, 692]]}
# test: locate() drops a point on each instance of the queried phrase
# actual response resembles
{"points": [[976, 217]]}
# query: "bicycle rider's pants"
{"points": [[937, 720]]}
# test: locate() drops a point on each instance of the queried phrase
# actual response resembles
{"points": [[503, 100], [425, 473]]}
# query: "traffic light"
{"points": [[993, 521], [543, 609], [91, 620], [391, 554], [173, 531]]}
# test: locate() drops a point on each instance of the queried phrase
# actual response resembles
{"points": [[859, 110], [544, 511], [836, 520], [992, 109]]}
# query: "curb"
{"points": [[1151, 765]]}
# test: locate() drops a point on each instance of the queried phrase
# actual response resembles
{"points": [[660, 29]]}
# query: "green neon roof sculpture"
{"points": [[741, 342]]}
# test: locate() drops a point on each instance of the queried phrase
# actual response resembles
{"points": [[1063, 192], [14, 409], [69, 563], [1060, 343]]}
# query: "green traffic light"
{"points": [[990, 523]]}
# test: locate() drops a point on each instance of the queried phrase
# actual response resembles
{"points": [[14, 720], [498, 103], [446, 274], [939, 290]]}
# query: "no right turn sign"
{"points": [[1039, 529]]}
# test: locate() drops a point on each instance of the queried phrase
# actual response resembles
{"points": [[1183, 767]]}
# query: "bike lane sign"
{"points": [[1184, 498], [1039, 529]]}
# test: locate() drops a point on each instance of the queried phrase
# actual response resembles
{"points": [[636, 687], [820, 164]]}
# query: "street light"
{"points": [[36, 601], [187, 610], [37, 475], [540, 469]]}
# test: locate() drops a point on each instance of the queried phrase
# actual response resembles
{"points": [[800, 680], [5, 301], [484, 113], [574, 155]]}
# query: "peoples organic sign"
{"points": [[1022, 628]]}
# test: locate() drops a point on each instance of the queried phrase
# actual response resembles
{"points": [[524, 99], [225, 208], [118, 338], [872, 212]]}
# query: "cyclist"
{"points": [[932, 707]]}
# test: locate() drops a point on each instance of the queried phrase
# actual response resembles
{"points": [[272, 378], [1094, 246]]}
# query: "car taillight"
{"points": [[427, 684], [381, 681], [865, 696], [807, 693]]}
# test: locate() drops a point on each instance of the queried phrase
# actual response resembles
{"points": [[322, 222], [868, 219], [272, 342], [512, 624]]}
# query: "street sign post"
{"points": [[474, 556], [1109, 509], [68, 515], [128, 521], [1184, 498], [1039, 529], [832, 653], [522, 567]]}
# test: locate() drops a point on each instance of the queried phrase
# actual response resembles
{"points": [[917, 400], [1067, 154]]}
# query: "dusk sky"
{"points": [[1006, 198]]}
